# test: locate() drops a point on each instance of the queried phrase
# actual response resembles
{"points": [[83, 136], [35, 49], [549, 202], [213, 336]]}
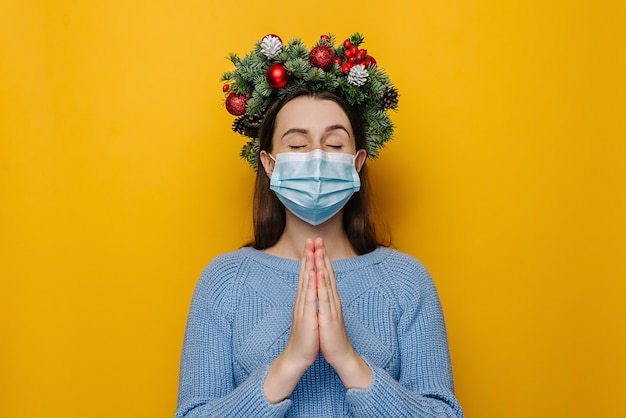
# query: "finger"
{"points": [[302, 270], [332, 279], [304, 282], [324, 291], [324, 260], [311, 286], [318, 244], [324, 263]]}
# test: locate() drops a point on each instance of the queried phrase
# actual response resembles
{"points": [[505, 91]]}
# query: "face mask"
{"points": [[314, 185]]}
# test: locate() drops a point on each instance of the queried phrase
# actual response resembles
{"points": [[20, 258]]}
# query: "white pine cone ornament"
{"points": [[358, 75], [271, 46]]}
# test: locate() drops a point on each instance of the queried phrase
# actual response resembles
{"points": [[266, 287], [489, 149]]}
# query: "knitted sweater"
{"points": [[240, 319]]}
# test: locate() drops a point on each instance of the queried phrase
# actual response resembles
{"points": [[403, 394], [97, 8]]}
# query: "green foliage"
{"points": [[248, 77], [250, 153]]}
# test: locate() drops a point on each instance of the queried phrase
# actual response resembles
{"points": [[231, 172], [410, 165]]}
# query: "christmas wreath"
{"points": [[273, 70]]}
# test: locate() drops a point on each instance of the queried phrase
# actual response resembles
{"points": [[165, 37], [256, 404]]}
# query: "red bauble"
{"points": [[322, 57], [274, 36], [236, 103], [369, 61], [277, 76]]}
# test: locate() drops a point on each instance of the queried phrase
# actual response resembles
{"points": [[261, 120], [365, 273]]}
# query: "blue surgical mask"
{"points": [[314, 185]]}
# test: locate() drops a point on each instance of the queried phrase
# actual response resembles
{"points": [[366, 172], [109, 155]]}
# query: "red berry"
{"points": [[346, 68], [347, 53], [359, 57], [354, 50], [338, 61], [225, 88], [352, 60], [347, 44], [325, 37]]}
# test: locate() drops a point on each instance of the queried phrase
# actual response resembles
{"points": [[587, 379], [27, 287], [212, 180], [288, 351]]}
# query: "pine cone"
{"points": [[389, 99], [271, 46], [240, 125], [358, 75], [255, 121], [247, 125]]}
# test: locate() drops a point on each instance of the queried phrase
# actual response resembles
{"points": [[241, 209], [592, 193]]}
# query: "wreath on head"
{"points": [[273, 70]]}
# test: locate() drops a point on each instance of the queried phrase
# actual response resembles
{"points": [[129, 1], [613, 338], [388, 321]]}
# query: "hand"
{"points": [[317, 324], [334, 341], [303, 345]]}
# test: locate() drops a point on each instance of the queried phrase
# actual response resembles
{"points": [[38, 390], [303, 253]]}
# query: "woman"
{"points": [[315, 318]]}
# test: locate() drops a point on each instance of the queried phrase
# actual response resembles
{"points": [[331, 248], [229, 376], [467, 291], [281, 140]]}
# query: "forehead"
{"points": [[309, 113]]}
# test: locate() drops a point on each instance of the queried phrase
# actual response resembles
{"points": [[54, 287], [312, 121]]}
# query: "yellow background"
{"points": [[120, 179]]}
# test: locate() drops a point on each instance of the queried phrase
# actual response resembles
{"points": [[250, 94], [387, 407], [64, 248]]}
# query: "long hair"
{"points": [[269, 213]]}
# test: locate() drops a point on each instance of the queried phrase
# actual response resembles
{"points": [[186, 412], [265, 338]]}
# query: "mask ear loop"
{"points": [[271, 156], [356, 156]]}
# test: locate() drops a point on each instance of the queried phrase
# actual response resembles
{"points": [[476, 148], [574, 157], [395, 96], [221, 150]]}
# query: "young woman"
{"points": [[315, 318]]}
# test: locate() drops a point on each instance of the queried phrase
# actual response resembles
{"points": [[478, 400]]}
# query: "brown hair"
{"points": [[269, 212]]}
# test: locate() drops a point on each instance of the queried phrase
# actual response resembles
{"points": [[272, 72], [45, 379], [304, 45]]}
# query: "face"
{"points": [[305, 124]]}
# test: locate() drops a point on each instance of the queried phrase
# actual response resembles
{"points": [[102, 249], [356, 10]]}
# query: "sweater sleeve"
{"points": [[425, 386], [206, 385]]}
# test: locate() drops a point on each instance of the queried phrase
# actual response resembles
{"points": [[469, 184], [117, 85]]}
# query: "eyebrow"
{"points": [[330, 128]]}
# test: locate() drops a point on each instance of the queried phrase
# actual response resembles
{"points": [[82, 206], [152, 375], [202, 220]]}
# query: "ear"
{"points": [[268, 163], [359, 160]]}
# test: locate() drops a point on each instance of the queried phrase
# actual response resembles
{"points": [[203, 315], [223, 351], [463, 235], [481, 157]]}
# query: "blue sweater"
{"points": [[240, 319]]}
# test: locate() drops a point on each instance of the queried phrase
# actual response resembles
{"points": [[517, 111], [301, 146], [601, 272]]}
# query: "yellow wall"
{"points": [[120, 179]]}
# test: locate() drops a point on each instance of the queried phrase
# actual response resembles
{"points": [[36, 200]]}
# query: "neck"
{"points": [[291, 242]]}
